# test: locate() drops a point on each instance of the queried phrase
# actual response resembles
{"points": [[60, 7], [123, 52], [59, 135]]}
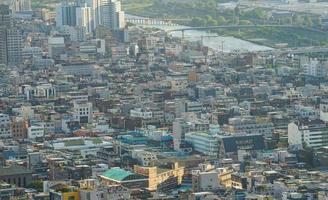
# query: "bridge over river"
{"points": [[221, 43]]}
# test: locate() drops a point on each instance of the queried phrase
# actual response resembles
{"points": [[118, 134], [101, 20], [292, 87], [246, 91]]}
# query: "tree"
{"points": [[319, 21], [260, 13], [221, 20], [236, 20], [211, 4], [297, 19], [308, 21], [245, 22], [197, 21], [37, 185], [212, 22], [237, 11]]}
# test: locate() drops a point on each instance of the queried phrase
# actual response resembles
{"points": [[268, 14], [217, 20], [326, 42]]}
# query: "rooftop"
{"points": [[14, 170], [162, 170], [117, 174], [77, 142]]}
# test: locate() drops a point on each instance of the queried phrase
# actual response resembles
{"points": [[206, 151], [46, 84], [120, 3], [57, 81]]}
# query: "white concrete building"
{"points": [[145, 158], [249, 125], [324, 110], [179, 127], [316, 68], [204, 142], [188, 106], [34, 132], [86, 145], [141, 113], [155, 134], [307, 112], [95, 6], [95, 46], [43, 90], [56, 47], [26, 112], [120, 20], [311, 133], [46, 90], [205, 181], [291, 195], [83, 111], [30, 52], [84, 17], [76, 33], [20, 5]]}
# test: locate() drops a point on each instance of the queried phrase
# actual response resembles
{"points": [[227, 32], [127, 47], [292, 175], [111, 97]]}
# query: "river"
{"points": [[212, 40]]}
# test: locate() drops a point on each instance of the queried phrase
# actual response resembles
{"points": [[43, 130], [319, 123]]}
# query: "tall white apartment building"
{"points": [[112, 15], [84, 17], [76, 15]]}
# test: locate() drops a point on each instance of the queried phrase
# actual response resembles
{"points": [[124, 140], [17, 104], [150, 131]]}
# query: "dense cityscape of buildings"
{"points": [[94, 108]]}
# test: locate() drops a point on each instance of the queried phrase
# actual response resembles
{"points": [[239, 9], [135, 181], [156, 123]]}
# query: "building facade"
{"points": [[112, 15], [11, 40], [83, 112], [204, 142], [313, 134], [5, 126]]}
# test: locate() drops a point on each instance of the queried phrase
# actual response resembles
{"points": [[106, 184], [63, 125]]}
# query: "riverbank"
{"points": [[292, 37], [214, 41], [203, 14]]}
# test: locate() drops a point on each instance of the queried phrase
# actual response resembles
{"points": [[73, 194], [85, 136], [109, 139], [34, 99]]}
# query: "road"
{"points": [[299, 50], [238, 26], [319, 8]]}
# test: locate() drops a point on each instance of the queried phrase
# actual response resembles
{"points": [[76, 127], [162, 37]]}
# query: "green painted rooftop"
{"points": [[77, 142], [117, 174]]}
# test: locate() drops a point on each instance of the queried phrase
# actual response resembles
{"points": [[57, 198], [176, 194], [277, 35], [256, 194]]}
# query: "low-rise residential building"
{"points": [[162, 179], [204, 142], [118, 176], [312, 133], [19, 127], [83, 111], [232, 145], [145, 158], [205, 181], [249, 125], [16, 175], [35, 131]]}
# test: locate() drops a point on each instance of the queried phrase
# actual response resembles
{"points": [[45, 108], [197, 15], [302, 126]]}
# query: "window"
{"points": [[88, 196]]}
